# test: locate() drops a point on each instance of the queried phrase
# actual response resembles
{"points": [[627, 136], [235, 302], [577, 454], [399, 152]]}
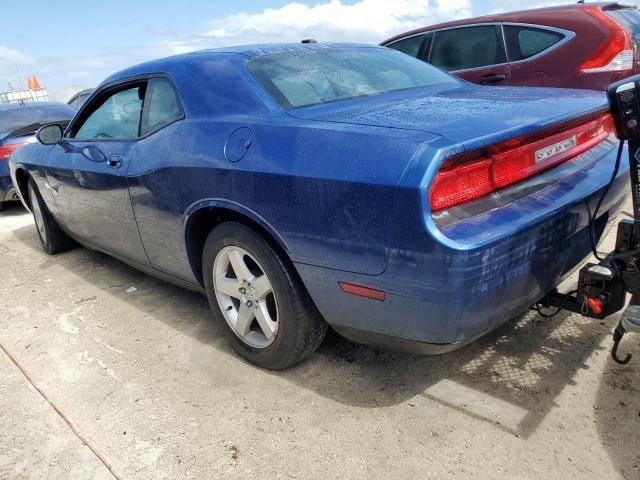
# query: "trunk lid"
{"points": [[472, 115]]}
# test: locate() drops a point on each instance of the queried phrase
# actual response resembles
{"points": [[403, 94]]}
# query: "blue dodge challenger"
{"points": [[307, 185]]}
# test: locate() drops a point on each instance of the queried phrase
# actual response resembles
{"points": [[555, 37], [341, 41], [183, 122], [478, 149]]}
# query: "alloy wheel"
{"points": [[245, 296]]}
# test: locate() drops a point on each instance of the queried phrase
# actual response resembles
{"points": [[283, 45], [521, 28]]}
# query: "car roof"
{"points": [[247, 51], [83, 92], [259, 50], [508, 16]]}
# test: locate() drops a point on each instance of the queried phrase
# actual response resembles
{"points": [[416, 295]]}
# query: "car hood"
{"points": [[467, 114]]}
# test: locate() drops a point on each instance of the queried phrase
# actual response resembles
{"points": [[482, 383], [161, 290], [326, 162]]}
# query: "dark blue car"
{"points": [[18, 125], [301, 186]]}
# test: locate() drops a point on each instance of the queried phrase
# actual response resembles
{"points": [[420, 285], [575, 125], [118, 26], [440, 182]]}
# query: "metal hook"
{"points": [[617, 337]]}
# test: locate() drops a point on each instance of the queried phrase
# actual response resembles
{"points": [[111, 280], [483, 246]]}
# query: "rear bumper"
{"points": [[461, 281]]}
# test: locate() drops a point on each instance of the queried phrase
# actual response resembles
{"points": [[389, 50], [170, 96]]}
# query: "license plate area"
{"points": [[551, 151]]}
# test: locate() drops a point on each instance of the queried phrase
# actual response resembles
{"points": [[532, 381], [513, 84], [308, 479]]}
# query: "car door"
{"points": [[88, 172], [475, 53]]}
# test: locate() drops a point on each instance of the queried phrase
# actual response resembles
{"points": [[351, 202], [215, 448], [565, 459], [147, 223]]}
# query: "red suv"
{"points": [[576, 46]]}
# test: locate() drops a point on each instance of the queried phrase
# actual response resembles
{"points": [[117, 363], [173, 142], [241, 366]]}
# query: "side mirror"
{"points": [[50, 134]]}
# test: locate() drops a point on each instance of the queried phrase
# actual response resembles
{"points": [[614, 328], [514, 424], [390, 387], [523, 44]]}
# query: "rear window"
{"points": [[524, 42], [318, 76], [21, 120], [629, 18]]}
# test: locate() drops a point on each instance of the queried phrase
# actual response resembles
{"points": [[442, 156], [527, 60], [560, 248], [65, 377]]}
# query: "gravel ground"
{"points": [[141, 374]]}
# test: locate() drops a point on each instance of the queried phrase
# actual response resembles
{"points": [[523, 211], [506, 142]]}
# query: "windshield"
{"points": [[314, 77]]}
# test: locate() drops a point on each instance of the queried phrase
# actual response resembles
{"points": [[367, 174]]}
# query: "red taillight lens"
{"points": [[454, 185], [7, 150], [515, 164], [466, 178], [615, 53]]}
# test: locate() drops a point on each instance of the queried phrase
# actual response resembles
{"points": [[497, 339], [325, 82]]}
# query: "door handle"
{"points": [[492, 78], [115, 161]]}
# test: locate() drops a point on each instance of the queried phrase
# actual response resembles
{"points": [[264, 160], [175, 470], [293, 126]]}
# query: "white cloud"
{"points": [[9, 55], [500, 6], [13, 66], [369, 21], [64, 94]]}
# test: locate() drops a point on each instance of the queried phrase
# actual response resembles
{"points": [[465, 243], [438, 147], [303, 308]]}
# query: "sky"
{"points": [[75, 44]]}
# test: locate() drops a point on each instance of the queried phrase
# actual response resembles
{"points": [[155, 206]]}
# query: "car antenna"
{"points": [[309, 40]]}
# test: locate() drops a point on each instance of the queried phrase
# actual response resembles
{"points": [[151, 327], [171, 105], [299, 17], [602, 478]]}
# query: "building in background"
{"points": [[33, 93]]}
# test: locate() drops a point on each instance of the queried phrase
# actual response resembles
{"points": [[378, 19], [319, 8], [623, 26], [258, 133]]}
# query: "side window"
{"points": [[410, 46], [524, 42], [116, 116], [162, 105], [467, 47]]}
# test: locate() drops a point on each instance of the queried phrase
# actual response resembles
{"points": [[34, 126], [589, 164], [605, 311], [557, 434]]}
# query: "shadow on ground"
{"points": [[526, 363], [617, 411], [13, 209]]}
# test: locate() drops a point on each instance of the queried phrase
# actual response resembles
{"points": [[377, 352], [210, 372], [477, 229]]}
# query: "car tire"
{"points": [[291, 318], [52, 238]]}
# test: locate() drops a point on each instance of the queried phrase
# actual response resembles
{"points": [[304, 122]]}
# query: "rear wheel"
{"points": [[258, 300], [52, 238]]}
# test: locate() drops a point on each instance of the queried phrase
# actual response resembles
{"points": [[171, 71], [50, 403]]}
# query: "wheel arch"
{"points": [[202, 218], [22, 177]]}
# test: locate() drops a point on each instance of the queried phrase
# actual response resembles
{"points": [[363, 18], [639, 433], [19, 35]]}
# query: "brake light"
{"points": [[7, 150], [615, 53], [468, 177], [461, 184]]}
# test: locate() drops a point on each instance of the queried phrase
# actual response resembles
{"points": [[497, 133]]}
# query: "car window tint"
{"points": [[116, 117], [323, 75], [410, 46], [525, 42], [469, 47], [162, 106]]}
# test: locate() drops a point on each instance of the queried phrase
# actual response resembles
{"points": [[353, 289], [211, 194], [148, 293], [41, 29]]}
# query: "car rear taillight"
{"points": [[615, 53], [7, 150], [474, 175]]}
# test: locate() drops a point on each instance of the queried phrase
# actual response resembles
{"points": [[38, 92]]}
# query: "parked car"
{"points": [[18, 125], [305, 185], [574, 46], [79, 98]]}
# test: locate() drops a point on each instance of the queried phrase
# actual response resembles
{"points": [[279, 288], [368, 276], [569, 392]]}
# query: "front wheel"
{"points": [[52, 238], [257, 299]]}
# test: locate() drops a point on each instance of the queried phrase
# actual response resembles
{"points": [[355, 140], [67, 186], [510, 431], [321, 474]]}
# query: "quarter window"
{"points": [[116, 116], [410, 46], [468, 47], [524, 42], [162, 106]]}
